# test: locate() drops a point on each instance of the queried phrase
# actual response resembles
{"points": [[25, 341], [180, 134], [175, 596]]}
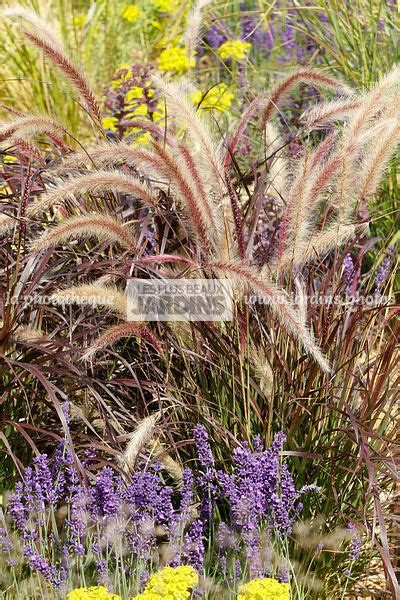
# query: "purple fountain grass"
{"points": [[95, 182], [86, 226], [337, 110], [73, 73], [28, 126], [307, 76], [119, 332], [94, 294]]}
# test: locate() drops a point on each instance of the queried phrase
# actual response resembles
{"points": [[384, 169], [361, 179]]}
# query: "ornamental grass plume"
{"points": [[86, 226], [7, 223], [170, 583], [100, 182], [21, 13], [264, 589], [93, 294], [307, 76], [138, 439], [119, 332], [58, 57], [26, 127]]}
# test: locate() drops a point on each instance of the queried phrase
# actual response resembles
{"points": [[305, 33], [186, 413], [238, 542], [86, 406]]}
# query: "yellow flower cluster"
{"points": [[92, 593], [79, 20], [175, 59], [217, 97], [166, 6], [116, 82], [234, 49], [109, 123], [131, 13], [170, 584], [264, 589]]}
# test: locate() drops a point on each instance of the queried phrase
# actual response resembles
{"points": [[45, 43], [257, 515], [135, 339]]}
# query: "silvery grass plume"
{"points": [[329, 112], [138, 439], [344, 173], [174, 166], [29, 17], [193, 27], [209, 155], [7, 223], [42, 37], [368, 124], [114, 334], [113, 299], [277, 299]]}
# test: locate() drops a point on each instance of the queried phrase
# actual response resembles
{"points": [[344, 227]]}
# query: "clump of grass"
{"points": [[190, 207]]}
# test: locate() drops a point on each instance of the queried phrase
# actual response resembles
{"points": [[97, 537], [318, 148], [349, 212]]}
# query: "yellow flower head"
{"points": [[109, 123], [166, 6], [217, 97], [92, 593], [234, 49], [131, 13], [171, 584], [175, 59], [79, 20], [264, 589], [134, 93], [126, 74]]}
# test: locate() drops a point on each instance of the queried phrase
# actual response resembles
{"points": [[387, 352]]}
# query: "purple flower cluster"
{"points": [[356, 542], [384, 270], [260, 489], [355, 545], [257, 494], [260, 494], [348, 272], [254, 30]]}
